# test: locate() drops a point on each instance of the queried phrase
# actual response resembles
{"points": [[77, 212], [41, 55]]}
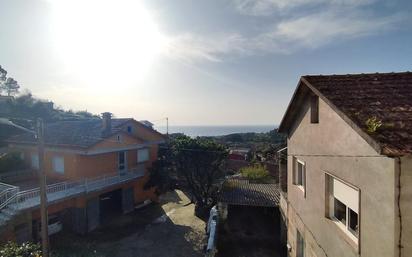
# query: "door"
{"points": [[122, 162]]}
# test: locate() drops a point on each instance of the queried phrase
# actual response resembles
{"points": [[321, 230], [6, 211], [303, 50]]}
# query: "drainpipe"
{"points": [[399, 207]]}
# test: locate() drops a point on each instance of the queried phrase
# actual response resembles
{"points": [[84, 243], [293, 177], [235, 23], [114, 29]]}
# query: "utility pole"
{"points": [[42, 179], [43, 195]]}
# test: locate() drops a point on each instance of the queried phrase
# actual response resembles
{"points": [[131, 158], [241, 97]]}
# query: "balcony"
{"points": [[13, 200]]}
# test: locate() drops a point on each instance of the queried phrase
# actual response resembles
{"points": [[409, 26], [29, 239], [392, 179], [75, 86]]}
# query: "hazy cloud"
{"points": [[286, 36], [268, 7]]}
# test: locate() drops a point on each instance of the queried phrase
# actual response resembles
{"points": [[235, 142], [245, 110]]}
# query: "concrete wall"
{"points": [[374, 176]]}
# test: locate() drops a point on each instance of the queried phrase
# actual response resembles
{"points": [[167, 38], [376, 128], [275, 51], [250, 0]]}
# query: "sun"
{"points": [[105, 42]]}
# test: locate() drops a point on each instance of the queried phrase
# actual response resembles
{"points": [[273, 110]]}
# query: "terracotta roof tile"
{"points": [[81, 134], [387, 97]]}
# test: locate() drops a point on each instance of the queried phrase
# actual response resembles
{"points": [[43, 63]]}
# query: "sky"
{"points": [[214, 62]]}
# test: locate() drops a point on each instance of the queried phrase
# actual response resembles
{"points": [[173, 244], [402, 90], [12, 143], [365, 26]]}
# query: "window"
{"points": [[35, 161], [58, 164], [122, 161], [344, 206], [300, 245], [300, 174], [142, 155], [314, 109], [129, 129], [119, 138]]}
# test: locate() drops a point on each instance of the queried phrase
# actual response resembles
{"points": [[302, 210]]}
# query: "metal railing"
{"points": [[58, 191], [7, 195]]}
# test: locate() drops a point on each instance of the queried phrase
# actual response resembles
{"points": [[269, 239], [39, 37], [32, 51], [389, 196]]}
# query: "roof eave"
{"points": [[284, 125]]}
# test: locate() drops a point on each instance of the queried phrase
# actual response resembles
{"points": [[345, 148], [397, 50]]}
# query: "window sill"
{"points": [[345, 234], [301, 188]]}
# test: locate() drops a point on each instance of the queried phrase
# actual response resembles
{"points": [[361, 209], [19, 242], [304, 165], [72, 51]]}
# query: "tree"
{"points": [[7, 84], [10, 86], [3, 74], [160, 171], [200, 163]]}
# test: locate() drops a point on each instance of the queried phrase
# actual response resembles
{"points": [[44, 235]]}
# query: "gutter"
{"points": [[398, 202]]}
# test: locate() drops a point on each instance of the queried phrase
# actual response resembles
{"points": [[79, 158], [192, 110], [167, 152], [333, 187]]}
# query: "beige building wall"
{"points": [[405, 201], [374, 176]]}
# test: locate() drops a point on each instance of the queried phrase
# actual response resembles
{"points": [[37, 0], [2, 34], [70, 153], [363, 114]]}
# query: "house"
{"points": [[349, 146], [92, 167], [240, 154]]}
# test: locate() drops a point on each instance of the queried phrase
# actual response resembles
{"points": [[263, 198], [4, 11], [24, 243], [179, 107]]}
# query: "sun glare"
{"points": [[106, 42]]}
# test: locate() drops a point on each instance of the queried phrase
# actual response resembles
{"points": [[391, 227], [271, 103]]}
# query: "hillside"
{"points": [[25, 109]]}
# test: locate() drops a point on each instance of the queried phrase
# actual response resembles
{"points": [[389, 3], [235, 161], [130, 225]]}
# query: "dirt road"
{"points": [[158, 230]]}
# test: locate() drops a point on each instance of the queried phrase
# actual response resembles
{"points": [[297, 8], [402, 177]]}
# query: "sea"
{"points": [[200, 131]]}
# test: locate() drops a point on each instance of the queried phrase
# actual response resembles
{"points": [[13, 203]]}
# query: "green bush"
{"points": [[28, 249], [257, 173]]}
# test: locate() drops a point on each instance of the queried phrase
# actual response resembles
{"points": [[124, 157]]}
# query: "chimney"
{"points": [[107, 122]]}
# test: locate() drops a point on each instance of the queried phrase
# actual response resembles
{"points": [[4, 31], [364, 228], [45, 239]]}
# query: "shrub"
{"points": [[373, 124], [257, 173], [28, 249]]}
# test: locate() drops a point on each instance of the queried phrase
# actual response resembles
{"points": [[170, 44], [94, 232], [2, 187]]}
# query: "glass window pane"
{"points": [[353, 222], [340, 211], [300, 173]]}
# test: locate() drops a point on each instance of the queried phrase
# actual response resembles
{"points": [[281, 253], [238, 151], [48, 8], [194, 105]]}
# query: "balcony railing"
{"points": [[7, 194], [31, 198]]}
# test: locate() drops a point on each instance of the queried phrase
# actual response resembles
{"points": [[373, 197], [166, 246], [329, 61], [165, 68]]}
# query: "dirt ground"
{"points": [[158, 230]]}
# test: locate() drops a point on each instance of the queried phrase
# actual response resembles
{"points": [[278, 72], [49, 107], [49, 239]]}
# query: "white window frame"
{"points": [[350, 204], [58, 164], [34, 159], [301, 185], [139, 155]]}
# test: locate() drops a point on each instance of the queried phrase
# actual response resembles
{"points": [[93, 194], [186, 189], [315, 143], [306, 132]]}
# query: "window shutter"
{"points": [[35, 161], [142, 155], [58, 164], [346, 194]]}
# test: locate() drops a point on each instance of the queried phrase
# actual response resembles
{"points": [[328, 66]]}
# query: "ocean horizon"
{"points": [[201, 131]]}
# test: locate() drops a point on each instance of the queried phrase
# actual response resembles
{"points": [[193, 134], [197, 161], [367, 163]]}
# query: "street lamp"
{"points": [[39, 133]]}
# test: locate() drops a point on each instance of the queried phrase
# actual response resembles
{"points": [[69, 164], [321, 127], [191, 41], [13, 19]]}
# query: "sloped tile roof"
{"points": [[242, 192], [83, 134], [385, 97]]}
